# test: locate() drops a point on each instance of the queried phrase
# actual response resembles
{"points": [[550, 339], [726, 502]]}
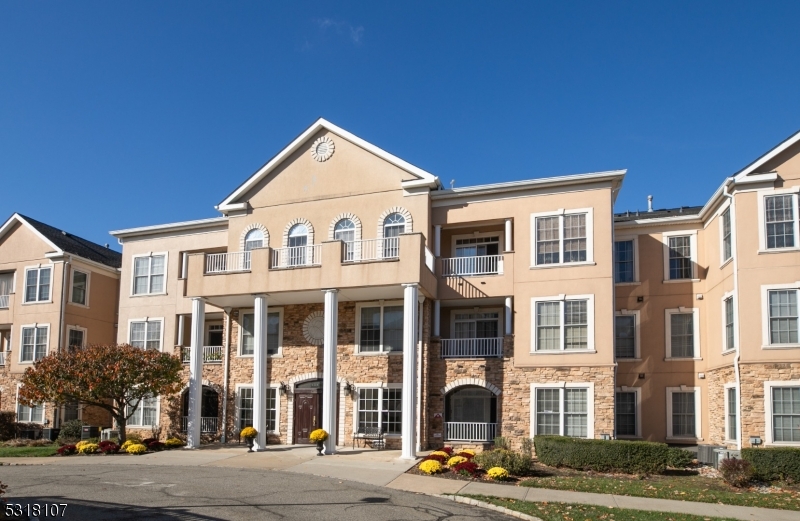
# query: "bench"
{"points": [[371, 435]]}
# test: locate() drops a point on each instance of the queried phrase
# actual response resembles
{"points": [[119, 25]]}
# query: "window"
{"points": [[727, 236], [785, 409], [683, 333], [148, 274], [37, 284], [245, 408], [779, 216], [562, 239], [731, 412], [683, 413], [274, 333], [34, 343], [345, 231], [626, 420], [380, 328], [144, 414], [6, 288], [563, 410], [625, 335], [730, 336], [146, 334], [783, 316], [76, 338], [624, 261], [254, 239], [564, 324], [27, 414], [476, 325], [475, 255], [680, 258], [393, 226], [80, 287], [298, 238], [380, 408]]}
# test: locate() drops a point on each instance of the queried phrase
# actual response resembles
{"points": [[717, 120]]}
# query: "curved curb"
{"points": [[482, 504]]}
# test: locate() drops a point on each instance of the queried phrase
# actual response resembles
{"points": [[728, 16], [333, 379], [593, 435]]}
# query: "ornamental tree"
{"points": [[114, 377]]}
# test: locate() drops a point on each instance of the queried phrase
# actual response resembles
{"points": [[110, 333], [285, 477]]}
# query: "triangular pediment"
{"points": [[777, 155]]}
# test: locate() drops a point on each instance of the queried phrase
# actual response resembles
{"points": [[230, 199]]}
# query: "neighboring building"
{"points": [[57, 291]]}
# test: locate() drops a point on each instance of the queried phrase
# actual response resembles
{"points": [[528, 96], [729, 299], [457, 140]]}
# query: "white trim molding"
{"points": [[665, 237], [695, 332], [589, 386], [725, 389], [250, 227], [299, 220], [85, 332], [637, 337], [561, 213], [346, 215], [762, 221], [638, 411], [625, 238], [698, 414], [729, 295], [88, 274], [237, 408], [395, 209], [38, 267], [725, 208], [766, 340], [150, 255], [35, 326], [590, 346], [147, 320], [470, 382], [769, 436], [17, 405]]}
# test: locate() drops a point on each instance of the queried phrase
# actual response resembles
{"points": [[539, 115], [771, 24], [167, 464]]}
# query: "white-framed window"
{"points": [[682, 326], [563, 323], [79, 288], [244, 408], [76, 337], [565, 409], [254, 239], [683, 413], [149, 274], [145, 414], [731, 413], [626, 260], [345, 230], [726, 236], [379, 407], [25, 414], [779, 227], [626, 335], [38, 284], [728, 323], [628, 406], [562, 237], [779, 322], [33, 342], [146, 333], [379, 327], [274, 332], [782, 412], [680, 255], [480, 323]]}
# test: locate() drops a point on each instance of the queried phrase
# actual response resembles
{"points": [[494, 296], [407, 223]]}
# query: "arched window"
{"points": [[298, 238], [393, 226], [470, 414], [254, 239], [345, 231]]}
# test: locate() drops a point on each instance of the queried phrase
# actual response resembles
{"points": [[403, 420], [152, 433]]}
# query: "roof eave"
{"points": [[170, 227], [615, 176]]}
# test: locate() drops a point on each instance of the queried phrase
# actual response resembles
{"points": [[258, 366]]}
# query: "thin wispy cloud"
{"points": [[342, 28]]}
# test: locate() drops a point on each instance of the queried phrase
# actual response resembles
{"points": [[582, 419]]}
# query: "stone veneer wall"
{"points": [[717, 378], [753, 376]]}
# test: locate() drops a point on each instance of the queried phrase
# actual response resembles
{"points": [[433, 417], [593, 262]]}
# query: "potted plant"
{"points": [[249, 434], [318, 436]]}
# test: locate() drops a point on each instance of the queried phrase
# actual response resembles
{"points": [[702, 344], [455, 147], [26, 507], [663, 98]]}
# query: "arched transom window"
{"points": [[254, 239], [394, 225], [345, 231]]}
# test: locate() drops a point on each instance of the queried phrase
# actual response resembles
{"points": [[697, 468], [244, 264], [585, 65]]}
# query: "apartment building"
{"points": [[57, 291]]}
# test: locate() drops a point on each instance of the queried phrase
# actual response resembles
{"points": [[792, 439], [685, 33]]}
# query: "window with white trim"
{"points": [[380, 327], [484, 324], [145, 414], [680, 257], [27, 414], [626, 335], [274, 333], [76, 337], [626, 414], [727, 235], [380, 408], [683, 333], [783, 316], [563, 238], [254, 239], [683, 413], [37, 284], [728, 320], [245, 408], [785, 421], [79, 293], [731, 413], [146, 334], [33, 343], [624, 268], [780, 219], [564, 324], [149, 273], [563, 411]]}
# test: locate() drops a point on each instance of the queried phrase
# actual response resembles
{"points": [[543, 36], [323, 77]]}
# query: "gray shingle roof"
{"points": [[77, 245]]}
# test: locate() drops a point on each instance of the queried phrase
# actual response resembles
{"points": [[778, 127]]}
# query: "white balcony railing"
{"points": [[211, 354], [228, 262], [469, 431], [2, 358], [207, 425], [371, 250], [297, 256], [472, 347], [468, 266], [3, 301]]}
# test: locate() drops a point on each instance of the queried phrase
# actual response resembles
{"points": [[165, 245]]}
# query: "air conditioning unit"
{"points": [[706, 455], [107, 434], [723, 453]]}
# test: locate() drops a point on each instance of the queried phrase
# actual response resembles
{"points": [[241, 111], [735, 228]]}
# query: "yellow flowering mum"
{"points": [[87, 448], [497, 473], [455, 460], [248, 432], [440, 453], [430, 466], [136, 448], [469, 451], [318, 435], [127, 444], [173, 443]]}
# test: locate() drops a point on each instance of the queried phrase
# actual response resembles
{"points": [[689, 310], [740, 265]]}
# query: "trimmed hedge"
{"points": [[632, 457], [775, 463], [679, 458]]}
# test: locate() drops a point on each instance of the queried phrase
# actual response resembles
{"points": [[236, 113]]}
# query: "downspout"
{"points": [[734, 236], [225, 375], [61, 326]]}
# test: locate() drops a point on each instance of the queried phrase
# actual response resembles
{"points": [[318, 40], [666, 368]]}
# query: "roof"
{"points": [[683, 211], [771, 153], [422, 177], [64, 242], [198, 224]]}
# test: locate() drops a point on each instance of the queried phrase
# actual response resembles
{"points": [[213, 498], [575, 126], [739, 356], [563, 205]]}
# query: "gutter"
{"points": [[726, 193], [224, 437]]}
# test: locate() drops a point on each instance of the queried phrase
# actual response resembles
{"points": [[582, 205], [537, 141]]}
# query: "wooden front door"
{"points": [[307, 415]]}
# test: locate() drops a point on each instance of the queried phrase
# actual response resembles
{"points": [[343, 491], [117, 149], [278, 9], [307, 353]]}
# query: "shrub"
{"points": [[71, 430], [778, 463], [678, 458], [156, 446], [736, 472], [497, 473], [501, 443], [67, 450], [527, 446], [136, 448], [108, 447], [248, 432], [632, 457], [466, 468], [516, 463], [8, 428], [88, 448], [436, 457], [430, 466], [134, 436], [455, 460], [147, 441], [447, 450], [174, 443]]}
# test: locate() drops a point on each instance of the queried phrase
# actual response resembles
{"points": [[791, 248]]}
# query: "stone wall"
{"points": [[753, 377], [717, 378]]}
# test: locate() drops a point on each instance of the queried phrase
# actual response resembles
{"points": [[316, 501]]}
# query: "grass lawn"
{"points": [[686, 488], [572, 512], [19, 452]]}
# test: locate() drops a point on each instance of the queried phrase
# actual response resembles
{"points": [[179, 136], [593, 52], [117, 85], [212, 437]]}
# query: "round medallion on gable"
{"points": [[322, 149], [314, 328]]}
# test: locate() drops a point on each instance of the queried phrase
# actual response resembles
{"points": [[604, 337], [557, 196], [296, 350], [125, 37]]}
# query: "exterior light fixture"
{"points": [[605, 436], [755, 441]]}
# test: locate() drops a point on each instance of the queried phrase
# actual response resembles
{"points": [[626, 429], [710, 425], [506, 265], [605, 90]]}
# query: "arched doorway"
{"points": [[470, 414], [209, 410]]}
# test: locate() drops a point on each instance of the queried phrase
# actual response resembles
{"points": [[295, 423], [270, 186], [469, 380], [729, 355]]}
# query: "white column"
{"points": [[437, 313], [260, 371], [195, 373], [410, 293], [508, 313], [437, 240], [181, 325], [420, 373], [509, 245], [330, 342]]}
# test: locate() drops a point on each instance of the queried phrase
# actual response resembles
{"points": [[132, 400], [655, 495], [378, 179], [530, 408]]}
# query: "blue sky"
{"points": [[122, 114]]}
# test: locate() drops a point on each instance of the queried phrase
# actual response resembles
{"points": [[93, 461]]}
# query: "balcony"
{"points": [[469, 431], [4, 301], [211, 354], [472, 347], [370, 250], [228, 262], [472, 266], [207, 425], [297, 256]]}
